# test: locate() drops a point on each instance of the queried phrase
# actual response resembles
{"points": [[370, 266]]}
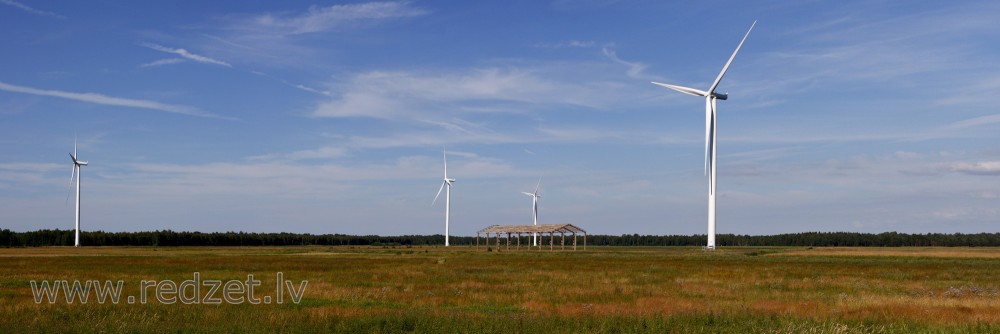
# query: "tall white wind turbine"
{"points": [[447, 198], [710, 133], [76, 175], [534, 209]]}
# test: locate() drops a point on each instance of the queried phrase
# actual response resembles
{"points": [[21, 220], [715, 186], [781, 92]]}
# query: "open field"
{"points": [[432, 289]]}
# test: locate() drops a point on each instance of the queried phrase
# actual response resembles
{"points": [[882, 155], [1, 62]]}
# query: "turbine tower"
{"points": [[447, 197], [710, 133], [76, 175], [534, 210]]}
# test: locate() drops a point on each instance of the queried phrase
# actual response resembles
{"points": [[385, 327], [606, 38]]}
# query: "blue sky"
{"points": [[330, 117]]}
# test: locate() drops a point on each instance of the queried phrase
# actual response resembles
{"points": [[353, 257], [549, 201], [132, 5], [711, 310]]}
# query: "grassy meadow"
{"points": [[461, 290]]}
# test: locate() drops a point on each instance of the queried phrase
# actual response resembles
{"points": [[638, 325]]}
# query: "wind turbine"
{"points": [[447, 201], [534, 209], [76, 174], [710, 133]]}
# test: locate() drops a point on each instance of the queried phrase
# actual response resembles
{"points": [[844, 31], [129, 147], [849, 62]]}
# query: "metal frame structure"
{"points": [[527, 230]]}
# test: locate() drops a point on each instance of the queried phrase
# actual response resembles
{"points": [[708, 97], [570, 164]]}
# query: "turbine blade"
{"points": [[682, 89], [69, 190], [711, 90], [445, 163], [527, 193], [536, 186], [74, 158], [439, 193]]}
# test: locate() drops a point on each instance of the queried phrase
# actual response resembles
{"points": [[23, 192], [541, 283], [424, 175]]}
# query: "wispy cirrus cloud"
{"points": [[108, 100], [312, 90], [319, 19], [412, 94], [184, 54], [28, 9], [279, 38], [983, 120], [852, 49], [635, 69], [322, 153], [161, 62], [568, 44], [976, 168]]}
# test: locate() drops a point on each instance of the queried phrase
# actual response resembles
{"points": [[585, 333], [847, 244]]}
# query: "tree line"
{"points": [[39, 238]]}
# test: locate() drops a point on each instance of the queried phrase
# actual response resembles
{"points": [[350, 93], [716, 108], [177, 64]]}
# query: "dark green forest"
{"points": [[171, 238]]}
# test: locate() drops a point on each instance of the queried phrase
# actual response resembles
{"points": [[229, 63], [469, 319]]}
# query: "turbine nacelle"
{"points": [[77, 162], [534, 193]]}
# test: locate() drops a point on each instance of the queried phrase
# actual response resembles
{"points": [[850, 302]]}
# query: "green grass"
{"points": [[460, 290]]}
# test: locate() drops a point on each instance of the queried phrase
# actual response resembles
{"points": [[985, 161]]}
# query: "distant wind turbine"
{"points": [[447, 201], [710, 134], [76, 175], [534, 209]]}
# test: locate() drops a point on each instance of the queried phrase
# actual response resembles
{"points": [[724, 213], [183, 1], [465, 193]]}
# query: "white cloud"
{"points": [[25, 166], [433, 139], [108, 100], [298, 178], [635, 69], [320, 153], [277, 39], [408, 95], [985, 194], [935, 55], [359, 104], [569, 44], [15, 174], [166, 61], [312, 90], [976, 168], [983, 120], [28, 9], [319, 19], [186, 54], [907, 155], [566, 134]]}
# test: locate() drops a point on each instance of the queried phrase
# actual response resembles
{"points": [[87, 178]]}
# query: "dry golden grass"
{"points": [[786, 290], [937, 252]]}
